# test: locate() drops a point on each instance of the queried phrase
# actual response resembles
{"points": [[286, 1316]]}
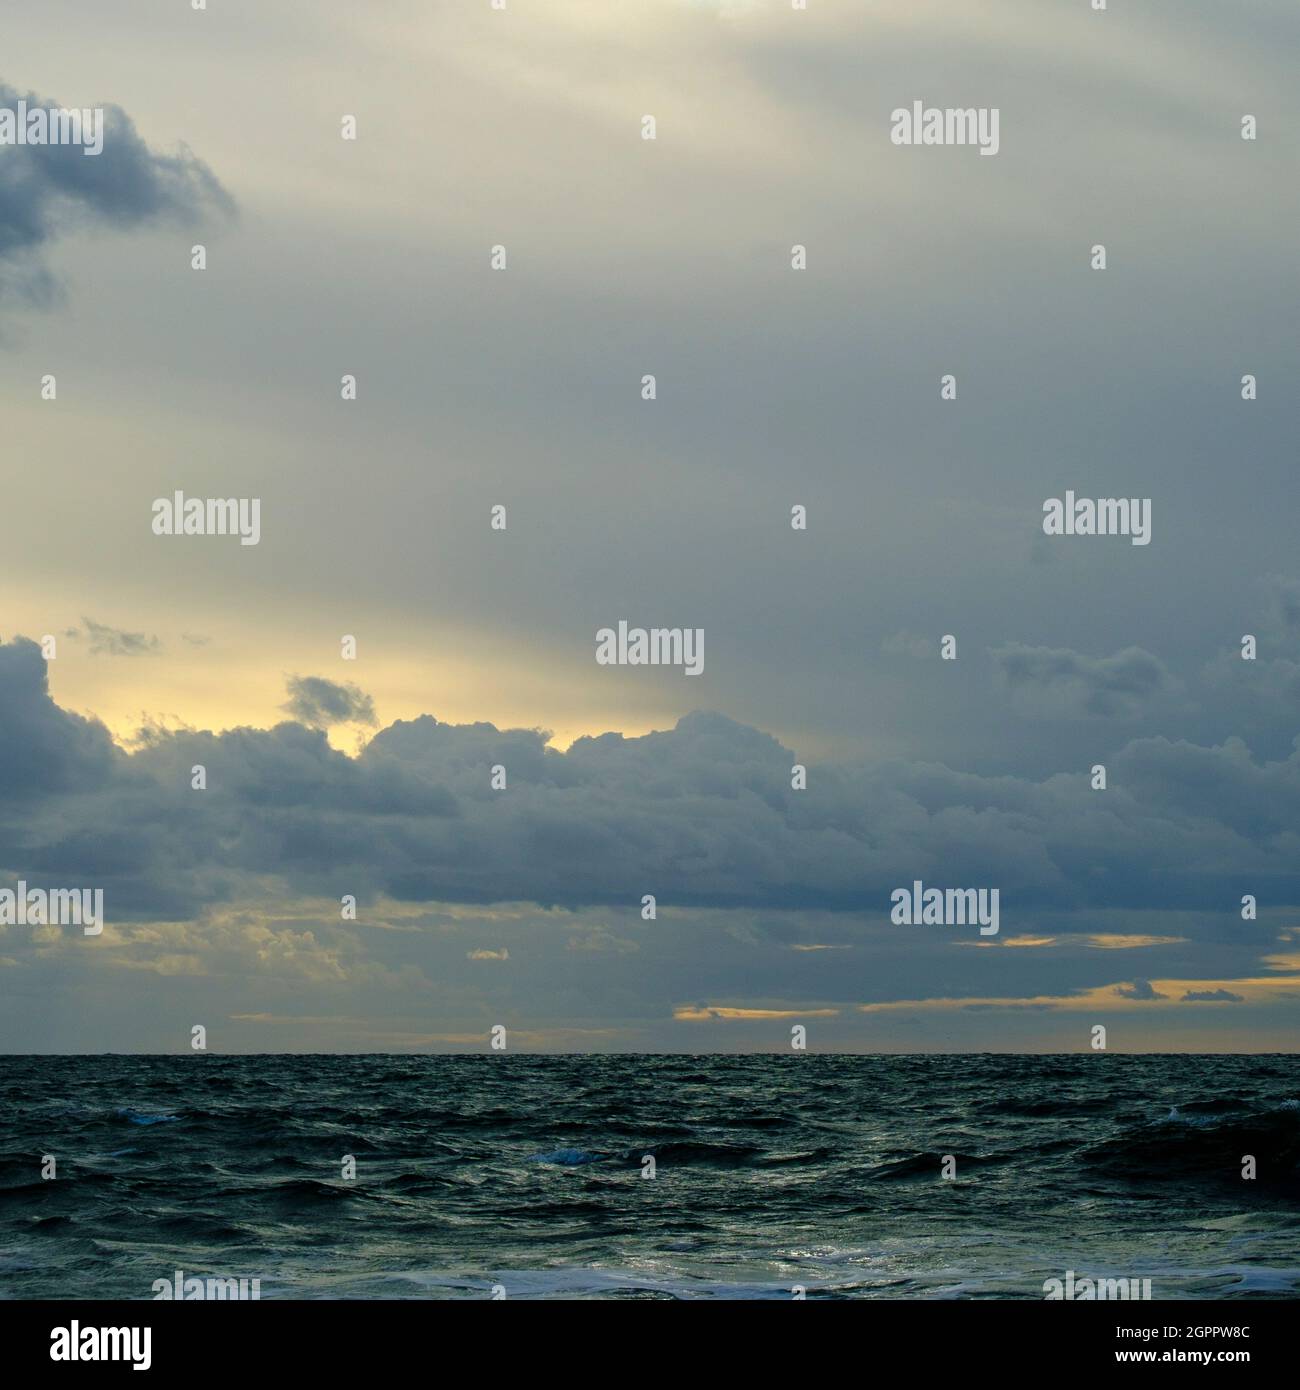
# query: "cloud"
{"points": [[320, 703], [1139, 989], [1284, 602], [1100, 999], [112, 641], [1116, 941], [1098, 941], [502, 954], [701, 815], [910, 644], [711, 1013], [44, 750], [599, 940], [48, 190], [1055, 681]]}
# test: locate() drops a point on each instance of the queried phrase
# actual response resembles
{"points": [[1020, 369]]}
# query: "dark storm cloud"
{"points": [[701, 815], [46, 190], [320, 703], [44, 750], [1056, 680], [1212, 996]]}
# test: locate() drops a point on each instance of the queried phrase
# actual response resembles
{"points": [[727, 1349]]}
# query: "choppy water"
{"points": [[772, 1171]]}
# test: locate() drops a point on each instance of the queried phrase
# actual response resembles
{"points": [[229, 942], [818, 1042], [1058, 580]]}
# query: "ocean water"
{"points": [[525, 1172]]}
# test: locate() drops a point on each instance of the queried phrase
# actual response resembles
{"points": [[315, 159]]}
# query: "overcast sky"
{"points": [[672, 257]]}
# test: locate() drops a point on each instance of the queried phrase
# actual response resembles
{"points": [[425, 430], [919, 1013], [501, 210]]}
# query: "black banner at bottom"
{"points": [[970, 1337]]}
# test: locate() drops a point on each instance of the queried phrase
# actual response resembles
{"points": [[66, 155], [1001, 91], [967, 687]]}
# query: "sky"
{"points": [[370, 777]]}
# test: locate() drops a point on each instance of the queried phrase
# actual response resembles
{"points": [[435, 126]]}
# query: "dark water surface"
{"points": [[771, 1171]]}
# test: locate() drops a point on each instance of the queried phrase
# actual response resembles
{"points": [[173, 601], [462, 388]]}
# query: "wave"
{"points": [[566, 1158], [1211, 1147]]}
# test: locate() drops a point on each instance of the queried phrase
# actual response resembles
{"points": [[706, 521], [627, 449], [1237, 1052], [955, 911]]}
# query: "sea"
{"points": [[677, 1177]]}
